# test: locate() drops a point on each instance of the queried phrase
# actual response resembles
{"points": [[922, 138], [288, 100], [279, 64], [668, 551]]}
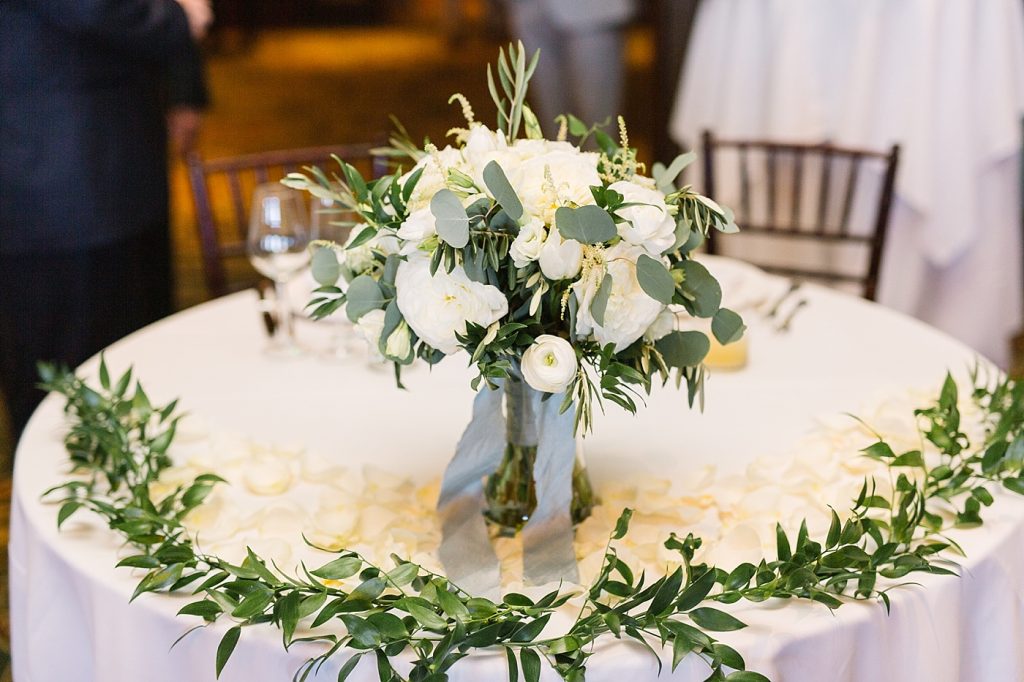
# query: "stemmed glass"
{"points": [[279, 236], [329, 222]]}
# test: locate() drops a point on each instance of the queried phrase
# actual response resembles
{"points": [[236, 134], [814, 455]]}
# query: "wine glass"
{"points": [[279, 236], [331, 223]]}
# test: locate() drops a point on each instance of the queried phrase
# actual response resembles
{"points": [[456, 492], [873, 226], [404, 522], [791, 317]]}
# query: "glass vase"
{"points": [[510, 492]]}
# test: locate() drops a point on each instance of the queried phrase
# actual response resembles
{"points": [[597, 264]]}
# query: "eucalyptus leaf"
{"points": [[362, 296], [703, 287], [451, 218], [599, 304], [325, 266], [727, 326], [683, 348], [655, 279], [587, 224], [501, 188]]}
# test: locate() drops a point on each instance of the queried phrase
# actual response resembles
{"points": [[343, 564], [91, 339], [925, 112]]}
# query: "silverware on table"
{"points": [[784, 327], [794, 285]]}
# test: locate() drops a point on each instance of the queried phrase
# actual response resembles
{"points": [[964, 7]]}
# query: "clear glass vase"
{"points": [[510, 492]]}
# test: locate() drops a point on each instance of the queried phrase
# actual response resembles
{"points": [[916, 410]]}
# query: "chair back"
{"points": [[836, 200], [222, 193]]}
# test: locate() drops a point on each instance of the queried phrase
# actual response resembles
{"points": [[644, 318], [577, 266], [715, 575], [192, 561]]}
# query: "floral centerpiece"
{"points": [[559, 271]]}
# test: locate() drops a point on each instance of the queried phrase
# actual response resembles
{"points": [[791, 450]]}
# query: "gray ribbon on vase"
{"points": [[548, 553]]}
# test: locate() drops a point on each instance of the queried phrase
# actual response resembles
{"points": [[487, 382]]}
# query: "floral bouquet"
{"points": [[566, 269]]}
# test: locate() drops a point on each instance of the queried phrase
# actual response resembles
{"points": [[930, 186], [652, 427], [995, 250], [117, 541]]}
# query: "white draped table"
{"points": [[71, 618], [943, 78]]}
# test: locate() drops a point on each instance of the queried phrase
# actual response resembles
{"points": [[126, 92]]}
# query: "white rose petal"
{"points": [[572, 174], [560, 258], [434, 178], [438, 307], [527, 245], [550, 364], [649, 224], [370, 326], [663, 325], [418, 227], [268, 477]]}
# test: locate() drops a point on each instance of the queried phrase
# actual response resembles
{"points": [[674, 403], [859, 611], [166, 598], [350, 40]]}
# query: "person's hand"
{"points": [[200, 16], [183, 123]]}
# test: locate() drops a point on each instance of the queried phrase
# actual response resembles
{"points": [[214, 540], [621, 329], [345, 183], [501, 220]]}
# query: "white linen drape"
{"points": [[943, 79]]}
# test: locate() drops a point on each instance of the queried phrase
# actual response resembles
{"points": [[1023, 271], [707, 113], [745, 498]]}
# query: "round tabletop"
{"points": [[69, 606]]}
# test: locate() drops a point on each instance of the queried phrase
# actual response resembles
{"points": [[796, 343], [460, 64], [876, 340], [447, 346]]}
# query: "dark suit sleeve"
{"points": [[154, 28], [186, 79]]}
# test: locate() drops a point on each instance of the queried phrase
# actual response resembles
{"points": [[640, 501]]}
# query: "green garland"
{"points": [[118, 443]]}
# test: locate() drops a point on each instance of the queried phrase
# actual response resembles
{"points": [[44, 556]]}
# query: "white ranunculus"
{"points": [[649, 224], [549, 364], [370, 326], [572, 175], [560, 258], [630, 311], [664, 324], [435, 176], [526, 247], [438, 307]]}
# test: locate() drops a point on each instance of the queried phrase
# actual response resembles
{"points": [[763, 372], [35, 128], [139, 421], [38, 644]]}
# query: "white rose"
{"points": [[435, 176], [572, 174], [399, 343], [549, 364], [526, 247], [630, 311], [649, 224], [560, 258], [370, 326], [438, 307], [664, 324], [526, 148], [361, 259]]}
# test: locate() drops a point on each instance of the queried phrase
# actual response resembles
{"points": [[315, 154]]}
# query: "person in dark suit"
{"points": [[90, 90]]}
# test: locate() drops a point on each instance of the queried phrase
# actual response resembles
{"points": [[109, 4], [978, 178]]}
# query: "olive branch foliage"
{"points": [[405, 616]]}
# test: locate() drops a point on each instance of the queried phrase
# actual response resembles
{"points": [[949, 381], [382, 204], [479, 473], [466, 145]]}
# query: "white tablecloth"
{"points": [[71, 619], [943, 78]]}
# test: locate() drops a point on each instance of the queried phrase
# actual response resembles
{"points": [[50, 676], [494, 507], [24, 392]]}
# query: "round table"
{"points": [[70, 612]]}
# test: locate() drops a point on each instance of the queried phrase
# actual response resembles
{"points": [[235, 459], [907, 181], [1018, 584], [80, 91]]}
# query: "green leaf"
{"points": [[530, 660], [530, 631], [587, 224], [363, 295], [696, 591], [451, 218], [349, 666], [727, 326], [66, 510], [599, 304], [1015, 484], [622, 524], [421, 610], [501, 189], [205, 609], [785, 553], [665, 177], [325, 266], [451, 605], [339, 569], [513, 666], [253, 604], [715, 620], [703, 287], [746, 676], [226, 647], [683, 349], [655, 279]]}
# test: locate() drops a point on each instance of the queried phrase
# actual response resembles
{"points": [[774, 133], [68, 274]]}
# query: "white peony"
{"points": [[526, 247], [649, 224], [560, 258], [549, 364], [482, 146], [629, 312], [438, 307], [572, 174]]}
